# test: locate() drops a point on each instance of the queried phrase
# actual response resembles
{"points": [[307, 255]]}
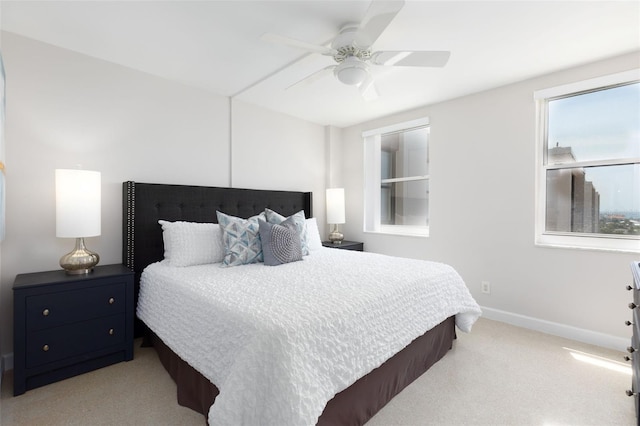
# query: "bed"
{"points": [[300, 387]]}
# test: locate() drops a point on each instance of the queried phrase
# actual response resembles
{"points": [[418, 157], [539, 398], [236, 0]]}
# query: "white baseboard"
{"points": [[7, 362], [557, 329]]}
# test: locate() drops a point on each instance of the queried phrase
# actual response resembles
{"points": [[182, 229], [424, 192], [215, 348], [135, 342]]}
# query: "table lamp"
{"points": [[335, 213], [78, 216]]}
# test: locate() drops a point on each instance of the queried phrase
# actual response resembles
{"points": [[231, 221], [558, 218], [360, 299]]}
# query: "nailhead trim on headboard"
{"points": [[129, 217]]}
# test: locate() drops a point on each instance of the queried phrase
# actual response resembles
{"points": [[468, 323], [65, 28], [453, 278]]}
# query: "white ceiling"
{"points": [[216, 45]]}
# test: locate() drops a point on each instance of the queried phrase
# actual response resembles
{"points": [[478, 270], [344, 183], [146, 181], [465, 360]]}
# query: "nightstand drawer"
{"points": [[58, 343], [64, 307]]}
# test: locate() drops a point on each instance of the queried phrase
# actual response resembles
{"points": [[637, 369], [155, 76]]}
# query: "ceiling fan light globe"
{"points": [[351, 72], [351, 76]]}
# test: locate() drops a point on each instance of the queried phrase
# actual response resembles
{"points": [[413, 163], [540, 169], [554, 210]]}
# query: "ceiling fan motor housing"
{"points": [[352, 68]]}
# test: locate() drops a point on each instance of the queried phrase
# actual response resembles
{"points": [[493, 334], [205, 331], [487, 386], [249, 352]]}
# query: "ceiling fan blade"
{"points": [[433, 58], [375, 21], [275, 38], [312, 78], [368, 89]]}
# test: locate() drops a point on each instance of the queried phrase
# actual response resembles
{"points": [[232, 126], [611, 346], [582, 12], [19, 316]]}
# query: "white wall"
{"points": [[65, 109], [285, 152], [482, 212]]}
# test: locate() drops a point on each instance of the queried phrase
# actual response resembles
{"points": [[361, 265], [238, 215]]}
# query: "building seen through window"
{"points": [[573, 203]]}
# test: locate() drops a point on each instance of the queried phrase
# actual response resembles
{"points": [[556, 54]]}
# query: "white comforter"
{"points": [[280, 341]]}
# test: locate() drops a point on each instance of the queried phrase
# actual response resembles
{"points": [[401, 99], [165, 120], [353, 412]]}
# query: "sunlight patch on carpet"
{"points": [[599, 361]]}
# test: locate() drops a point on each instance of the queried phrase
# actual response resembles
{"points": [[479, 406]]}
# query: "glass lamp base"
{"points": [[335, 236], [80, 260]]}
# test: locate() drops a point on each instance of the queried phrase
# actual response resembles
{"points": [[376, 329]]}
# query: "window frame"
{"points": [[373, 180], [575, 240]]}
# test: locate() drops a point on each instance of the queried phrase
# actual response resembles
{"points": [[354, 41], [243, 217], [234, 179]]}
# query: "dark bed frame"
{"points": [[146, 203]]}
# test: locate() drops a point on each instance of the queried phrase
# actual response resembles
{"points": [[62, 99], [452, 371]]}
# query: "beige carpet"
{"points": [[496, 375]]}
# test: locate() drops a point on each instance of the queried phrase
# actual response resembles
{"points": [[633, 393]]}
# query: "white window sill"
{"points": [[403, 231], [620, 245]]}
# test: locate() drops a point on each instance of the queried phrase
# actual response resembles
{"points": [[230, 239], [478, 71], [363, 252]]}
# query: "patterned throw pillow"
{"points": [[241, 239], [280, 243], [298, 220]]}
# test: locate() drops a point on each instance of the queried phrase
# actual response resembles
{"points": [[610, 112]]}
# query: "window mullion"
{"points": [[581, 164], [405, 179]]}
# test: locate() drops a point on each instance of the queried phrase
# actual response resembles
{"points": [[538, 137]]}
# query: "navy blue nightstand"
{"points": [[345, 245], [65, 325]]}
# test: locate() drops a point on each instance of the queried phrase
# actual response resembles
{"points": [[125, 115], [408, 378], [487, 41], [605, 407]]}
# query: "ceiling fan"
{"points": [[352, 50]]}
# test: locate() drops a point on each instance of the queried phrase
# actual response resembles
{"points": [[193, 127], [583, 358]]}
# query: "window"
{"points": [[397, 179], [589, 164]]}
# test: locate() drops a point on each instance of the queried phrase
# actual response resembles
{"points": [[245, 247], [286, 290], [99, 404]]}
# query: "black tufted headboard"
{"points": [[144, 204]]}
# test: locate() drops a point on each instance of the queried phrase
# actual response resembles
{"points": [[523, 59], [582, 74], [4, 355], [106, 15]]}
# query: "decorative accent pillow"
{"points": [[314, 241], [280, 243], [241, 239], [298, 220], [191, 243]]}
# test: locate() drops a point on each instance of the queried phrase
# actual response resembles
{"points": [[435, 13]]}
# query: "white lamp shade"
{"points": [[335, 205], [78, 207]]}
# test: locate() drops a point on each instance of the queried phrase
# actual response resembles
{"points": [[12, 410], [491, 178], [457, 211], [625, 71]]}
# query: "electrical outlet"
{"points": [[486, 287]]}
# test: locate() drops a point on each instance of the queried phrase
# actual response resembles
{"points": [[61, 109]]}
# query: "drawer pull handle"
{"points": [[631, 349], [45, 348], [629, 288], [630, 392], [111, 332], [628, 323], [45, 312], [112, 301], [626, 358], [632, 305]]}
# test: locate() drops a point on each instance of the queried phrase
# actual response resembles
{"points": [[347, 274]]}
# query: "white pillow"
{"points": [[190, 243], [313, 235]]}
